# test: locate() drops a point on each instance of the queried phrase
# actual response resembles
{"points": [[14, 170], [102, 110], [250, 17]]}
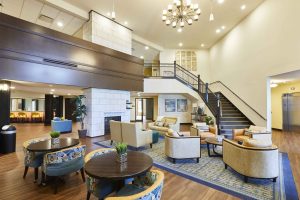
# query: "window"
{"points": [[187, 59]]}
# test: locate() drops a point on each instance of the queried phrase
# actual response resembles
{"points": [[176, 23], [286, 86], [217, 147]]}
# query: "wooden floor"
{"points": [[14, 187]]}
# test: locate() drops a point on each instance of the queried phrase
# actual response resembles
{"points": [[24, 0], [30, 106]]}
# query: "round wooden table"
{"points": [[47, 146], [106, 166], [214, 142]]}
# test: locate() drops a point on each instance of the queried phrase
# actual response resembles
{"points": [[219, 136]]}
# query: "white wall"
{"points": [[266, 43], [105, 32], [183, 117], [203, 65]]}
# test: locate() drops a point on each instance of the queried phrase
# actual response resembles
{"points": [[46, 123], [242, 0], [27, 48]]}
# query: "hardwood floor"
{"points": [[13, 186]]}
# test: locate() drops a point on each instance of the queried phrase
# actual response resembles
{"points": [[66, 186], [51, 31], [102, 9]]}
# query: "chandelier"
{"points": [[179, 13]]}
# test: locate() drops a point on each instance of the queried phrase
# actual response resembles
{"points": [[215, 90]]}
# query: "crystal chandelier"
{"points": [[179, 13]]}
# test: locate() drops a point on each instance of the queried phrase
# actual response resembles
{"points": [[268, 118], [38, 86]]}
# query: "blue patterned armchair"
{"points": [[32, 159], [99, 188], [64, 162], [131, 192]]}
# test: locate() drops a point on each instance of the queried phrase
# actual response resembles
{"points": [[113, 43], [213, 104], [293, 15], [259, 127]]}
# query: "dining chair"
{"points": [[99, 188], [64, 162], [147, 187], [32, 159]]}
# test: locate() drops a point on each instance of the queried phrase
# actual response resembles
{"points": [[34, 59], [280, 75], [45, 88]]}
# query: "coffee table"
{"points": [[214, 142]]}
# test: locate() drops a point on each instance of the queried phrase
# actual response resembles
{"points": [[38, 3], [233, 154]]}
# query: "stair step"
{"points": [[232, 118], [232, 115], [234, 126], [235, 123]]}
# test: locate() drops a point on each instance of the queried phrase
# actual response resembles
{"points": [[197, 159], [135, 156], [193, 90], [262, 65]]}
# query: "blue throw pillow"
{"points": [[56, 119]]}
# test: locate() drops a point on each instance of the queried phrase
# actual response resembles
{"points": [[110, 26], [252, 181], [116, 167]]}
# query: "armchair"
{"points": [[185, 147], [62, 126], [254, 162], [212, 132], [254, 132], [153, 192], [134, 135], [32, 159], [99, 188], [64, 162], [115, 131]]}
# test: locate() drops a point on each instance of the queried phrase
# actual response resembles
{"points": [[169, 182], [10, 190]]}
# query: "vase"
{"points": [[54, 140], [122, 158]]}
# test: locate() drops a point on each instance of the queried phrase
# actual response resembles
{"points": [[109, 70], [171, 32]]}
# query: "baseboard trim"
{"points": [[276, 129]]}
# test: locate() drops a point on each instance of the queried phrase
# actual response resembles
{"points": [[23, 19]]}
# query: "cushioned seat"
{"points": [[257, 143], [241, 138], [65, 168], [203, 135], [37, 161]]}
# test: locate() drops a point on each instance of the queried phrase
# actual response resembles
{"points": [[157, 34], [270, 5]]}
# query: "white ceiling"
{"points": [[144, 18], [30, 10], [42, 88], [150, 54]]}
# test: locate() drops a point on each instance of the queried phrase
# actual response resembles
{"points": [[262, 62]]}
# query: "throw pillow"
{"points": [[166, 125], [146, 180], [160, 124]]}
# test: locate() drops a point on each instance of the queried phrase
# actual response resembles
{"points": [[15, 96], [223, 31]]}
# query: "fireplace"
{"points": [[106, 123]]}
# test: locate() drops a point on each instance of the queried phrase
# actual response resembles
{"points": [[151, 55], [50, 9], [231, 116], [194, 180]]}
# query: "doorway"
{"points": [[144, 109], [290, 112]]}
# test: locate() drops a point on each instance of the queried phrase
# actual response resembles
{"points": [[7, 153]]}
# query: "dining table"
{"points": [[49, 146], [107, 167]]}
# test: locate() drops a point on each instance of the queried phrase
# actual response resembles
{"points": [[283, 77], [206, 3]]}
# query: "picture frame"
{"points": [[182, 105], [170, 105]]}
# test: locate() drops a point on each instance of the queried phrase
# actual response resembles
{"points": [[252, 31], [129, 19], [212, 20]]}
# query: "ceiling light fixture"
{"points": [[12, 87], [180, 44], [52, 90], [220, 1], [202, 45], [179, 30], [146, 47], [223, 27], [273, 85], [113, 13], [126, 23], [69, 94], [218, 31], [142, 57], [60, 24], [179, 12], [211, 16], [243, 7], [108, 14]]}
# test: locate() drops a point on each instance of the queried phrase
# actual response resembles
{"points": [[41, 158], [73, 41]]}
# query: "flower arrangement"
{"points": [[121, 149], [54, 137]]}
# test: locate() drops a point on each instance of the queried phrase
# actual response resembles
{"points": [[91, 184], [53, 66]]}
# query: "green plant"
{"points": [[209, 120], [54, 134], [80, 111], [121, 148]]}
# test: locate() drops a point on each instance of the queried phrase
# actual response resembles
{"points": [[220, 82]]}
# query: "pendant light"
{"points": [[211, 16], [113, 14]]}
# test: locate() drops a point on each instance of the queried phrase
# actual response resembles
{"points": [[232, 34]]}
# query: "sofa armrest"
{"points": [[213, 130], [151, 124], [174, 127]]}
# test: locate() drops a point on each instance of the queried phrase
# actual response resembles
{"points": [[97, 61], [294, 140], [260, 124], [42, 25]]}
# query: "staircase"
{"points": [[227, 115]]}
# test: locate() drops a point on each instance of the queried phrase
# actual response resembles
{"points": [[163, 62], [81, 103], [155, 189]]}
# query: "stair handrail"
{"points": [[220, 82]]}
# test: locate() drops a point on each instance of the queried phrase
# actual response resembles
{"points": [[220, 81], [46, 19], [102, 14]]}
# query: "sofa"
{"points": [[254, 132], [163, 124], [195, 131], [62, 126], [250, 160], [132, 134], [182, 147]]}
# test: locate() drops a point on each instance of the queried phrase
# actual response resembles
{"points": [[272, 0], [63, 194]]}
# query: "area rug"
{"points": [[210, 171]]}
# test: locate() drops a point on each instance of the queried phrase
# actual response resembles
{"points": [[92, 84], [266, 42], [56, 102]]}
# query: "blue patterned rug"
{"points": [[210, 171]]}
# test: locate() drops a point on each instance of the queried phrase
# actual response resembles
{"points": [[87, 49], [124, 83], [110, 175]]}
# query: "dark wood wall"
{"points": [[30, 52]]}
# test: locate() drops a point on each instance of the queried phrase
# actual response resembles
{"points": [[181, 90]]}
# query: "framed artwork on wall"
{"points": [[170, 105], [181, 105]]}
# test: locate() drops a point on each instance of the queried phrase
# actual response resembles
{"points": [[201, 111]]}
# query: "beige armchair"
{"points": [[251, 162], [184, 147], [254, 132], [115, 131], [203, 135], [134, 135]]}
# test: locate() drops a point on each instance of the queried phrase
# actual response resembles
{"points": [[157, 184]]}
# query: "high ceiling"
{"points": [[30, 10], [144, 18]]}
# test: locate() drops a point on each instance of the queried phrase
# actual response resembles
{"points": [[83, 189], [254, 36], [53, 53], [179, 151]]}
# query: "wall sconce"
{"points": [[4, 87]]}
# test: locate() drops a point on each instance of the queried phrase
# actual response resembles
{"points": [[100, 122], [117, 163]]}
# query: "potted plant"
{"points": [[80, 113], [121, 149], [54, 137], [209, 120]]}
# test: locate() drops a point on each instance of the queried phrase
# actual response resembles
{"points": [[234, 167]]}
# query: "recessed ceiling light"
{"points": [[60, 24], [243, 7], [223, 27], [220, 1], [179, 30], [218, 31], [108, 14], [69, 94], [12, 87], [202, 45], [142, 57], [180, 44], [126, 23], [52, 90], [146, 47]]}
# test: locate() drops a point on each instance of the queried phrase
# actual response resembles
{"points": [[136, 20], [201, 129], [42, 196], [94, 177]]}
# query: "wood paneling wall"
{"points": [[30, 52]]}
